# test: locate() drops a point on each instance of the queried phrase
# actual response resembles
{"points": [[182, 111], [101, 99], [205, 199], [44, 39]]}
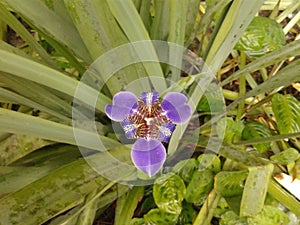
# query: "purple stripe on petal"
{"points": [[149, 98], [123, 104], [129, 128], [148, 155], [174, 104], [165, 131]]}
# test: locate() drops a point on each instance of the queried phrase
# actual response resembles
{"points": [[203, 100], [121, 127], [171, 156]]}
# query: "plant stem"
{"points": [[242, 87], [207, 210]]}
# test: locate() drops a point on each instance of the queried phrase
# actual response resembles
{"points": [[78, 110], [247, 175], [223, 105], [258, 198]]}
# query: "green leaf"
{"points": [[231, 27], [126, 205], [128, 18], [199, 187], [212, 101], [58, 191], [13, 122], [230, 218], [159, 216], [230, 183], [103, 37], [187, 215], [56, 27], [261, 36], [186, 168], [16, 146], [289, 50], [209, 161], [284, 77], [256, 130], [287, 113], [27, 69], [270, 215], [233, 130], [285, 157], [137, 221], [168, 193], [255, 190], [19, 28]]}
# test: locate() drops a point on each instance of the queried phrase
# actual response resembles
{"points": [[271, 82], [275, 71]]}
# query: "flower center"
{"points": [[148, 120]]}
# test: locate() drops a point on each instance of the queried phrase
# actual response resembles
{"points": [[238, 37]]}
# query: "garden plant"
{"points": [[139, 112]]}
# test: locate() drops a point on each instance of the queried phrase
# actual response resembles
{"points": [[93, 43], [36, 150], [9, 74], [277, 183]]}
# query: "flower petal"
{"points": [[148, 155], [149, 98], [129, 128], [174, 104], [165, 131], [123, 104]]}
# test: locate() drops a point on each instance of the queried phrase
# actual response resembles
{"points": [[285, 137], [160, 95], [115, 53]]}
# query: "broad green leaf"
{"points": [[19, 28], [289, 50], [255, 190], [56, 26], [239, 155], [128, 18], [285, 157], [209, 161], [199, 187], [16, 146], [103, 202], [126, 205], [137, 221], [178, 14], [168, 193], [261, 36], [230, 218], [27, 69], [284, 197], [256, 130], [186, 168], [230, 183], [101, 33], [13, 122], [270, 215], [231, 28], [7, 96], [159, 216], [287, 113], [161, 20], [58, 191], [233, 130], [187, 215], [37, 95], [213, 101]]}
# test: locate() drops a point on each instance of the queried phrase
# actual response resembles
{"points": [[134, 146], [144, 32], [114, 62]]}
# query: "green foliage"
{"points": [[286, 109], [186, 168], [210, 162], [199, 187], [230, 183], [256, 130], [285, 157], [43, 175], [168, 192], [261, 36]]}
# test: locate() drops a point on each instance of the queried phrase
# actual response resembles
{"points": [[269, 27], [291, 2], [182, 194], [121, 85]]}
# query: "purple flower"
{"points": [[150, 122]]}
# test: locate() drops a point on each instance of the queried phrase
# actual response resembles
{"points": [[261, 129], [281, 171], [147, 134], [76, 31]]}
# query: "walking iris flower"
{"points": [[151, 122]]}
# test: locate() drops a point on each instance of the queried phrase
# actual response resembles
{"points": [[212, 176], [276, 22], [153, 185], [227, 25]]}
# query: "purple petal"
{"points": [[148, 155], [174, 104], [129, 128], [165, 131], [123, 104], [149, 98]]}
